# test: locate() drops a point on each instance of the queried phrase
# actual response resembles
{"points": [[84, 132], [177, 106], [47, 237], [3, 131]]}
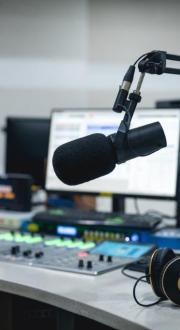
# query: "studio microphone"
{"points": [[95, 155]]}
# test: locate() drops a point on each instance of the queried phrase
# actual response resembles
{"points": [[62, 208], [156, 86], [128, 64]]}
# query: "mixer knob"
{"points": [[27, 253], [15, 250], [89, 264], [39, 254], [109, 259], [81, 263], [101, 257]]}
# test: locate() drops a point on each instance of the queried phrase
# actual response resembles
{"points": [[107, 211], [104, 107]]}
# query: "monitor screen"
{"points": [[27, 147], [151, 176]]}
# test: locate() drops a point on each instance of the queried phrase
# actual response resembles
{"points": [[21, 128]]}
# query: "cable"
{"points": [[140, 279], [151, 211], [128, 275], [136, 205], [160, 214], [139, 58]]}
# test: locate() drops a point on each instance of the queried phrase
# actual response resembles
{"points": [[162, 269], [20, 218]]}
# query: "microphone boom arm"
{"points": [[153, 63]]}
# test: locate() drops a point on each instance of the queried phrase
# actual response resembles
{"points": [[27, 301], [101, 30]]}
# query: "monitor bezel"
{"points": [[121, 195]]}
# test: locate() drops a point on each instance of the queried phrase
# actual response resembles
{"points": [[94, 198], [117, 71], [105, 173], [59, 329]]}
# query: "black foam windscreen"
{"points": [[84, 159]]}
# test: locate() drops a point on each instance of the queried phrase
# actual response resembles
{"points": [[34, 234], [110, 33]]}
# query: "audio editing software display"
{"points": [[153, 176]]}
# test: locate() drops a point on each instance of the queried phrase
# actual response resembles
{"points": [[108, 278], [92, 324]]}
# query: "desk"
{"points": [[106, 299]]}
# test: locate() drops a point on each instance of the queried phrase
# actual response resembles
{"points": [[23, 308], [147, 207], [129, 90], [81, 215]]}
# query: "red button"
{"points": [[82, 254]]}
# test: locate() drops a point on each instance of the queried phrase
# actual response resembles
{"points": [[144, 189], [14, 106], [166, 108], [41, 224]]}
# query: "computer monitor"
{"points": [[168, 104], [27, 147], [154, 176]]}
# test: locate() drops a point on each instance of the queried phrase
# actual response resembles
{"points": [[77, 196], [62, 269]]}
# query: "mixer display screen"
{"points": [[122, 250], [67, 231]]}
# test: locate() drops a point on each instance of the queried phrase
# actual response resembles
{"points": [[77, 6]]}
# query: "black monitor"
{"points": [[163, 104], [26, 147]]}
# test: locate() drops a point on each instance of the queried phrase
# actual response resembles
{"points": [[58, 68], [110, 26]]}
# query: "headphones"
{"points": [[163, 274]]}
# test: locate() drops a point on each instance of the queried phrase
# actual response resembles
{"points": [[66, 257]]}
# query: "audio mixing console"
{"points": [[54, 253], [67, 254]]}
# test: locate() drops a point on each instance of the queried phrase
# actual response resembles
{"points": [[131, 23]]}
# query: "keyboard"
{"points": [[70, 216]]}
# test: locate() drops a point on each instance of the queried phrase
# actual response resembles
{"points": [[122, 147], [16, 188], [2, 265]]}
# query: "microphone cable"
{"points": [[142, 56]]}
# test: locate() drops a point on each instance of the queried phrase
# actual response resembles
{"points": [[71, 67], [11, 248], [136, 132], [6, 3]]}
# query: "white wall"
{"points": [[62, 53], [82, 47], [120, 31], [43, 49]]}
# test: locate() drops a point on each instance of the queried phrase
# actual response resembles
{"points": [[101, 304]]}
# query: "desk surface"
{"points": [[107, 298]]}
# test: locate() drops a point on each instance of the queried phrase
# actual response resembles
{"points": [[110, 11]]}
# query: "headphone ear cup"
{"points": [[158, 260], [170, 280]]}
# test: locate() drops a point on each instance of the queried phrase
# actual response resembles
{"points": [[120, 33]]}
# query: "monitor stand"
{"points": [[118, 203], [177, 214]]}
